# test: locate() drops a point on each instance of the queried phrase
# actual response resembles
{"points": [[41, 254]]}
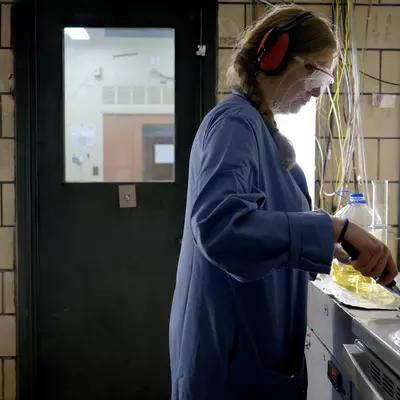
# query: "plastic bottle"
{"points": [[358, 212]]}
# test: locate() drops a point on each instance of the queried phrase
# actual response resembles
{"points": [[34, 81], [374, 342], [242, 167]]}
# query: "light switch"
{"points": [[383, 100], [127, 196]]}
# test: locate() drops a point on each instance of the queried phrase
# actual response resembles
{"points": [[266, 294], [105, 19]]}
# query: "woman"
{"points": [[238, 319]]}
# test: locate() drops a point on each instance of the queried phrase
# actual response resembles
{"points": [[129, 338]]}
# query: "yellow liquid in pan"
{"points": [[345, 275]]}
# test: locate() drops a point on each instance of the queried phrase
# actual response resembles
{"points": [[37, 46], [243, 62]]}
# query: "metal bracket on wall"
{"points": [[127, 196], [201, 50]]}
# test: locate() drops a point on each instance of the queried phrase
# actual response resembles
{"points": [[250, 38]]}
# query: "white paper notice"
{"points": [[164, 154], [83, 134]]}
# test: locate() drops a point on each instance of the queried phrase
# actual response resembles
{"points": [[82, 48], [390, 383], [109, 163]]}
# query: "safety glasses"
{"points": [[319, 77]]}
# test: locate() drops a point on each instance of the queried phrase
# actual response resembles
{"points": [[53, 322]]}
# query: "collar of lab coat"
{"points": [[272, 129]]}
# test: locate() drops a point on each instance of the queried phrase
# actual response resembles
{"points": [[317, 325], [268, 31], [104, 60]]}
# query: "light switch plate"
{"points": [[383, 100], [127, 196]]}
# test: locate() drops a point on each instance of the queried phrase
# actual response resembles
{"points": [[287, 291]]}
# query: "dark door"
{"points": [[105, 274]]}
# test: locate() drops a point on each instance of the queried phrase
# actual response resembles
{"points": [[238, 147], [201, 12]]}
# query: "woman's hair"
{"points": [[310, 36]]}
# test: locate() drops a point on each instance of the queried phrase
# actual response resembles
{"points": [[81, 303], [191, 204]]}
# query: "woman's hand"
{"points": [[375, 259]]}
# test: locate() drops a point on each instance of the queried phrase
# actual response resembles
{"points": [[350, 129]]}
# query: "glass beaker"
{"points": [[380, 198]]}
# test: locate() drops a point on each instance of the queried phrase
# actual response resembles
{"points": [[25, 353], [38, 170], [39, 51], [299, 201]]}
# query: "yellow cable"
{"points": [[320, 171], [342, 136], [336, 105], [344, 130]]}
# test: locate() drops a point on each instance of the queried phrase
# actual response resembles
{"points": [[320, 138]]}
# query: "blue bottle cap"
{"points": [[357, 198]]}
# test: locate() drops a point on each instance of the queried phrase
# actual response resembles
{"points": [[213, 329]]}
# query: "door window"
{"points": [[119, 104]]}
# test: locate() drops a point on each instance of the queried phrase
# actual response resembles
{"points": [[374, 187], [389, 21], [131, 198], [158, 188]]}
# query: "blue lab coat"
{"points": [[238, 318]]}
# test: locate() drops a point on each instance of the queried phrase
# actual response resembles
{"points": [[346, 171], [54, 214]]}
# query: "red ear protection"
{"points": [[271, 57], [273, 53]]}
